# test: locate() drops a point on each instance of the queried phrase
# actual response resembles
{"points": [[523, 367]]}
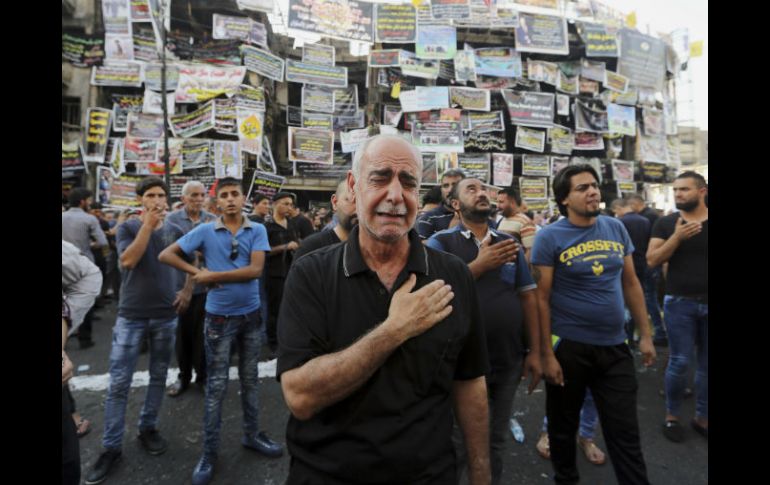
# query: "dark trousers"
{"points": [[190, 353], [610, 374], [274, 289], [70, 448], [84, 331]]}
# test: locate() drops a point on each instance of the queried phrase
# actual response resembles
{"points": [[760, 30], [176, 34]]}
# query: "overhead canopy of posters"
{"points": [[189, 124], [339, 19], [543, 34], [141, 125], [126, 74], [353, 139], [642, 59], [469, 98], [385, 58], [474, 165], [529, 139], [653, 172], [435, 136], [497, 62], [317, 121], [528, 108], [396, 24], [502, 169], [302, 72], [465, 65], [152, 79], [561, 139], [228, 27], [250, 130], [450, 9], [200, 82], [436, 42], [153, 102], [314, 146], [622, 171], [227, 159], [225, 115], [82, 50], [263, 63], [621, 119], [318, 99], [588, 141], [599, 42], [533, 188], [536, 165], [485, 122], [71, 159], [265, 183], [318, 54], [97, 133], [122, 104], [590, 119], [425, 69]]}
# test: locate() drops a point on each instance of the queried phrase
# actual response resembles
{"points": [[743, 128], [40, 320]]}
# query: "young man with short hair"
{"points": [[234, 249], [443, 216]]}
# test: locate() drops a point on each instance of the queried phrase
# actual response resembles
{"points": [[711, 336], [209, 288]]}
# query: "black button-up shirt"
{"points": [[396, 428]]}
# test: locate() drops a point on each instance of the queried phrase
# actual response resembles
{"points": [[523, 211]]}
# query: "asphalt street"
{"points": [[181, 424]]}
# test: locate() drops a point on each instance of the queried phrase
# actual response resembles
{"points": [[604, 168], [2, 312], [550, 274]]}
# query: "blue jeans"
{"points": [[222, 334], [127, 336], [650, 287], [687, 321], [588, 418]]}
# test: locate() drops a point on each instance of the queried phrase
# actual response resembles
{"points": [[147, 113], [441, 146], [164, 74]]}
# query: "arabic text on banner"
{"points": [[340, 19], [97, 133], [302, 72], [199, 83], [541, 33], [396, 24]]}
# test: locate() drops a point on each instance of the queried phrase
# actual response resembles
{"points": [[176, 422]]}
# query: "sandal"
{"points": [[83, 427], [592, 452], [543, 446], [177, 388]]}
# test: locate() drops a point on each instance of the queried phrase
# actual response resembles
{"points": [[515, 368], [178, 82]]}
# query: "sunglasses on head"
{"points": [[234, 249]]}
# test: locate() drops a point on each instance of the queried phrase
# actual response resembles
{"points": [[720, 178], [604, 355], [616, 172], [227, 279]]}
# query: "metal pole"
{"points": [[164, 106]]}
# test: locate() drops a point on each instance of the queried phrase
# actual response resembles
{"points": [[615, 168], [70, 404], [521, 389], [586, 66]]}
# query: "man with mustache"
{"points": [[505, 290], [379, 339], [345, 209], [443, 216], [586, 273], [681, 239]]}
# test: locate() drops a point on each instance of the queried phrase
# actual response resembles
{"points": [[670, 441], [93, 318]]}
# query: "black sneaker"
{"points": [[153, 442], [673, 431], [98, 473]]}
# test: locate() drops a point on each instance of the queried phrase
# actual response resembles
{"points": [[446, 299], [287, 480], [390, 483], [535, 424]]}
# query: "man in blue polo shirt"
{"points": [[234, 250], [505, 290]]}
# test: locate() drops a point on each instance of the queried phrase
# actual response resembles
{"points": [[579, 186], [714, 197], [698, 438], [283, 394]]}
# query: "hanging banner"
{"points": [[140, 11], [543, 34], [411, 66], [558, 164], [450, 9], [622, 171], [561, 139], [141, 125], [116, 16], [71, 159], [598, 42], [590, 119], [196, 153], [502, 169], [652, 119], [385, 58], [115, 155], [617, 83], [118, 47], [263, 63], [353, 139], [588, 141], [152, 74], [528, 139], [396, 24], [122, 104], [533, 188], [158, 167], [318, 54], [220, 52], [338, 19], [486, 122], [117, 192], [586, 86], [250, 129], [153, 102], [265, 159], [317, 121], [528, 108], [497, 62], [436, 42], [469, 98], [536, 165], [313, 146], [227, 159], [190, 124], [348, 122], [642, 59], [621, 119], [338, 169], [144, 45], [318, 99], [225, 116], [266, 6], [97, 132], [627, 187], [346, 101], [199, 82], [493, 141], [653, 172], [562, 105], [593, 70], [250, 97], [547, 72], [302, 72], [137, 150], [391, 114], [433, 136], [82, 50], [474, 165], [425, 99], [652, 148], [465, 66], [128, 74], [429, 169], [265, 183], [567, 84], [227, 27], [258, 34], [673, 150]]}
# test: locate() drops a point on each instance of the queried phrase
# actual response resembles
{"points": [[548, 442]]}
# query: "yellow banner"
{"points": [[631, 20], [696, 48]]}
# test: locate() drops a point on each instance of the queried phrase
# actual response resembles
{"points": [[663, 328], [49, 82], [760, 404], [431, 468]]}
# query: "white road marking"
{"points": [[142, 378]]}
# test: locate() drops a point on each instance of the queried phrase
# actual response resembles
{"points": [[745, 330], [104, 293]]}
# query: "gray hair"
{"points": [[187, 187], [356, 169]]}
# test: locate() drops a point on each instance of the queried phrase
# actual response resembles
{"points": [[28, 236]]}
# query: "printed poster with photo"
{"points": [[588, 141], [619, 84], [429, 169], [536, 165], [542, 34], [465, 66], [438, 136], [547, 72], [529, 139], [469, 98], [436, 42], [568, 84], [652, 148], [590, 119], [652, 119], [227, 159], [623, 171], [562, 105], [153, 103], [621, 119], [115, 155], [529, 108], [502, 169], [338, 19], [593, 70], [250, 130], [558, 164], [497, 62], [230, 27], [122, 104], [561, 139], [446, 161], [391, 114]]}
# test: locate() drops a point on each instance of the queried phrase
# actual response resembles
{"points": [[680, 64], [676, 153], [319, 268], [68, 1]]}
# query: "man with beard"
{"points": [[443, 216], [586, 273], [345, 209], [372, 355], [505, 290], [681, 240]]}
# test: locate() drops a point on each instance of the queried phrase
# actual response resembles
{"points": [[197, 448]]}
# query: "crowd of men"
{"points": [[400, 340]]}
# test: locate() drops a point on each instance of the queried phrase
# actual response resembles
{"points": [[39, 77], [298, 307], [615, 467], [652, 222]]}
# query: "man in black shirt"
{"points": [[345, 209], [368, 367], [442, 216], [681, 239], [261, 208]]}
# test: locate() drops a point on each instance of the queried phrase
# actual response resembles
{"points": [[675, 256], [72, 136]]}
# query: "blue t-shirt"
{"points": [[148, 290], [214, 240], [498, 291], [587, 290], [182, 219]]}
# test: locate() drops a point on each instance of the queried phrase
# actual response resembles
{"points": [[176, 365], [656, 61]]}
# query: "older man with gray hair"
{"points": [[372, 357], [191, 299]]}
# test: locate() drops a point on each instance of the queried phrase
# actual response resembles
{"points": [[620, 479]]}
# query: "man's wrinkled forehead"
{"points": [[396, 156]]}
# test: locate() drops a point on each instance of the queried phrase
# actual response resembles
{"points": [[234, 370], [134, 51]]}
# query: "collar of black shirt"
{"points": [[353, 261]]}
